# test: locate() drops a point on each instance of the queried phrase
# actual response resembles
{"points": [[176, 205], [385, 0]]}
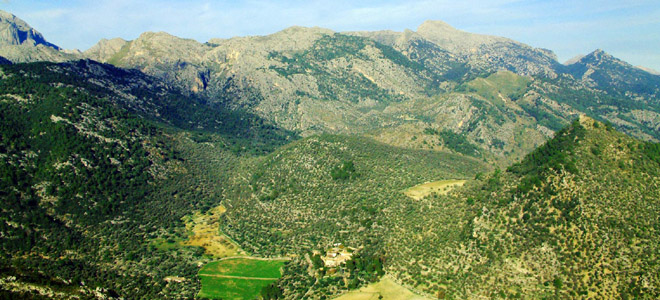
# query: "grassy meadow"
{"points": [[441, 187]]}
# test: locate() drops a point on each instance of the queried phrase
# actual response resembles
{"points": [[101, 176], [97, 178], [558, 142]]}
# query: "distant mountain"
{"points": [[574, 59], [21, 43], [14, 31], [313, 80], [479, 53], [605, 72]]}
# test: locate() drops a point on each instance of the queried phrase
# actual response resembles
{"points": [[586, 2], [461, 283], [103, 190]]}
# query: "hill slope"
{"points": [[577, 217]]}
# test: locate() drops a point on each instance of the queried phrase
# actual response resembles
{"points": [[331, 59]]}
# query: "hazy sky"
{"points": [[628, 29]]}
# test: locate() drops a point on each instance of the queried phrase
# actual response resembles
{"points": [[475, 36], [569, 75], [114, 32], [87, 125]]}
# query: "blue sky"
{"points": [[628, 29]]}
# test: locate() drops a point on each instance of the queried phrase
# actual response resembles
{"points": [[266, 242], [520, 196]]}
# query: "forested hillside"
{"points": [[576, 218], [91, 173]]}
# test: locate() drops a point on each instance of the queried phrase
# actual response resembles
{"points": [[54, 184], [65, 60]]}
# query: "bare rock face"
{"points": [[21, 43], [14, 31], [455, 40]]}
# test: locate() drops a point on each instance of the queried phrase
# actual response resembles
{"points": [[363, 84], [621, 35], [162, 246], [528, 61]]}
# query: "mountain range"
{"points": [[287, 144]]}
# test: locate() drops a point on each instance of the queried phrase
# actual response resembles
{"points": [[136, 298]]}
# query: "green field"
{"points": [[231, 288], [238, 278]]}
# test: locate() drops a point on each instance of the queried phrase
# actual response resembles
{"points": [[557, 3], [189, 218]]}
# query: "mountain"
{"points": [[480, 53], [293, 75], [104, 50], [648, 70], [21, 43], [574, 59], [313, 80]]}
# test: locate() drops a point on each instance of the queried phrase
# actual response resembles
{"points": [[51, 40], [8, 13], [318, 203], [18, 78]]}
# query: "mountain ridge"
{"points": [[288, 77], [357, 79]]}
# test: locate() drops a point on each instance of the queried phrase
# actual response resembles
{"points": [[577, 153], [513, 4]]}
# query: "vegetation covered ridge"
{"points": [[565, 222]]}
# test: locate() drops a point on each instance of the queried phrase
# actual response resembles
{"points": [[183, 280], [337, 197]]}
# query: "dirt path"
{"points": [[254, 258], [238, 277]]}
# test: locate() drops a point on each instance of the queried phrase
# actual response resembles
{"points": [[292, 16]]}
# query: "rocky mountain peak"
{"points": [[604, 71], [597, 59], [435, 26], [309, 30], [105, 49], [600, 55], [574, 59], [14, 31], [296, 37], [601, 58], [159, 35]]}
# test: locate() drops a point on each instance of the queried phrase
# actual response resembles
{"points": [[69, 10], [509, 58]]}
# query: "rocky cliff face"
{"points": [[21, 43], [14, 31]]}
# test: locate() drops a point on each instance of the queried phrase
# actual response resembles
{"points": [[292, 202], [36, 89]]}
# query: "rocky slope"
{"points": [[14, 31], [476, 52], [603, 71]]}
